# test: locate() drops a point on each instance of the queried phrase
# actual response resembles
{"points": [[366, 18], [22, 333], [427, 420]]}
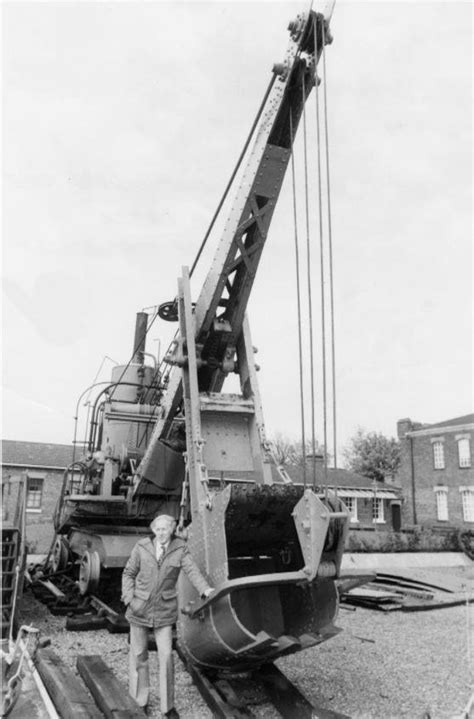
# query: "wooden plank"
{"points": [[350, 581], [382, 606], [109, 693], [405, 591], [437, 603], [69, 696], [415, 580], [85, 623], [102, 608], [372, 594], [118, 625], [52, 588]]}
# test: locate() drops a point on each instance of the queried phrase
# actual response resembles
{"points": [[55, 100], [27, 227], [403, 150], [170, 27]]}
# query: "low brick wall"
{"points": [[416, 539]]}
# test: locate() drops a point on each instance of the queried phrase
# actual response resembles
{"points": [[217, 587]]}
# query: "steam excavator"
{"points": [[168, 438]]}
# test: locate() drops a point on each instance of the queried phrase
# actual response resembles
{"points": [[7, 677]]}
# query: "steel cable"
{"points": [[310, 299], [211, 225], [331, 272], [232, 178], [224, 195], [322, 273], [298, 300]]}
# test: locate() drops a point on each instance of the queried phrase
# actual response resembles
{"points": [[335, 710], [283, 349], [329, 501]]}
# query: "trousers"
{"points": [[139, 676]]}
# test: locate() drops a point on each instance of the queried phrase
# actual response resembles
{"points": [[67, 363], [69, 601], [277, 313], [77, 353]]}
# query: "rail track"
{"points": [[228, 696]]}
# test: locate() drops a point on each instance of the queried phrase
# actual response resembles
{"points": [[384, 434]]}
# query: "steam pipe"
{"points": [[140, 337]]}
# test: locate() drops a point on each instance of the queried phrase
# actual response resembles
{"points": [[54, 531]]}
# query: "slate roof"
{"points": [[36, 454], [336, 477], [465, 419]]}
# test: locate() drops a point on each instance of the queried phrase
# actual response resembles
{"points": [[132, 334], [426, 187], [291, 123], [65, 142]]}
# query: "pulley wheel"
{"points": [[169, 311], [60, 554], [89, 573]]}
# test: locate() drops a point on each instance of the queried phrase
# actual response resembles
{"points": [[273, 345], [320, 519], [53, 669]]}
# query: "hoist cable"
{"points": [[310, 299], [298, 302], [236, 169], [227, 189], [219, 207], [322, 273], [331, 273]]}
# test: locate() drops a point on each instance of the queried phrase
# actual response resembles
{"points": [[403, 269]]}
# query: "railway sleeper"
{"points": [[117, 625], [85, 623], [67, 692], [228, 695], [109, 693], [62, 610]]}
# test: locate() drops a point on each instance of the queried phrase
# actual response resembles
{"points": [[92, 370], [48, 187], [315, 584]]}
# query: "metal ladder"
{"points": [[11, 547]]}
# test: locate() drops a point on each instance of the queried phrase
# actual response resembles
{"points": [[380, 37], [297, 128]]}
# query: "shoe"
{"points": [[171, 714]]}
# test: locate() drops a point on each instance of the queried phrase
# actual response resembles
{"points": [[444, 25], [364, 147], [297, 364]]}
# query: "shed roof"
{"points": [[465, 419], [36, 454], [336, 477]]}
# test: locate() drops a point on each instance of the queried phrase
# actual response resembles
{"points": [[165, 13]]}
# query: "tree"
{"points": [[290, 452], [372, 454]]}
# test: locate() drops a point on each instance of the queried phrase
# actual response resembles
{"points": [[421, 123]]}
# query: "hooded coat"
{"points": [[149, 590]]}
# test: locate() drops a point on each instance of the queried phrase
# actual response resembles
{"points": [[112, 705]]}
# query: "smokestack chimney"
{"points": [[140, 337], [404, 426]]}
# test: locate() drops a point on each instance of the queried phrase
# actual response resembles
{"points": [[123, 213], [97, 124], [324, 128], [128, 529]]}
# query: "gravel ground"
{"points": [[382, 665]]}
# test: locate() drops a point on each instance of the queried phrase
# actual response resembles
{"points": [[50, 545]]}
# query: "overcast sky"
{"points": [[122, 122]]}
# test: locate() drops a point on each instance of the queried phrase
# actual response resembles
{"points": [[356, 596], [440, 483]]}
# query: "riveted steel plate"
{"points": [[227, 443]]}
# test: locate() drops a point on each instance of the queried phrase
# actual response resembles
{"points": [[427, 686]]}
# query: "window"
{"points": [[351, 504], [34, 493], [441, 503], [467, 497], [438, 454], [377, 510], [464, 452]]}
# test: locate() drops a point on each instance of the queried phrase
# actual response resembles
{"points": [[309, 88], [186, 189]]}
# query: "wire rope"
{"points": [[298, 301], [330, 248], [223, 198], [232, 178], [322, 272], [310, 299]]}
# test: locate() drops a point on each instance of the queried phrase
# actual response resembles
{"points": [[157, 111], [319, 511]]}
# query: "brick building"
{"points": [[436, 472], [373, 505], [44, 465]]}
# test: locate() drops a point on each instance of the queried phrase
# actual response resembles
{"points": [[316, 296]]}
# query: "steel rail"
{"points": [[221, 691], [223, 694]]}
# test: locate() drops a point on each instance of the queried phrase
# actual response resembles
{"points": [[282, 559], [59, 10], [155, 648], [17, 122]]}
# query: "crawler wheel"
{"points": [[60, 554], [89, 573]]}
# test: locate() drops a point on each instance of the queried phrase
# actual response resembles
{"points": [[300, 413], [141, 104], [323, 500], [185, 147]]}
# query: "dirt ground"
{"points": [[381, 665]]}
